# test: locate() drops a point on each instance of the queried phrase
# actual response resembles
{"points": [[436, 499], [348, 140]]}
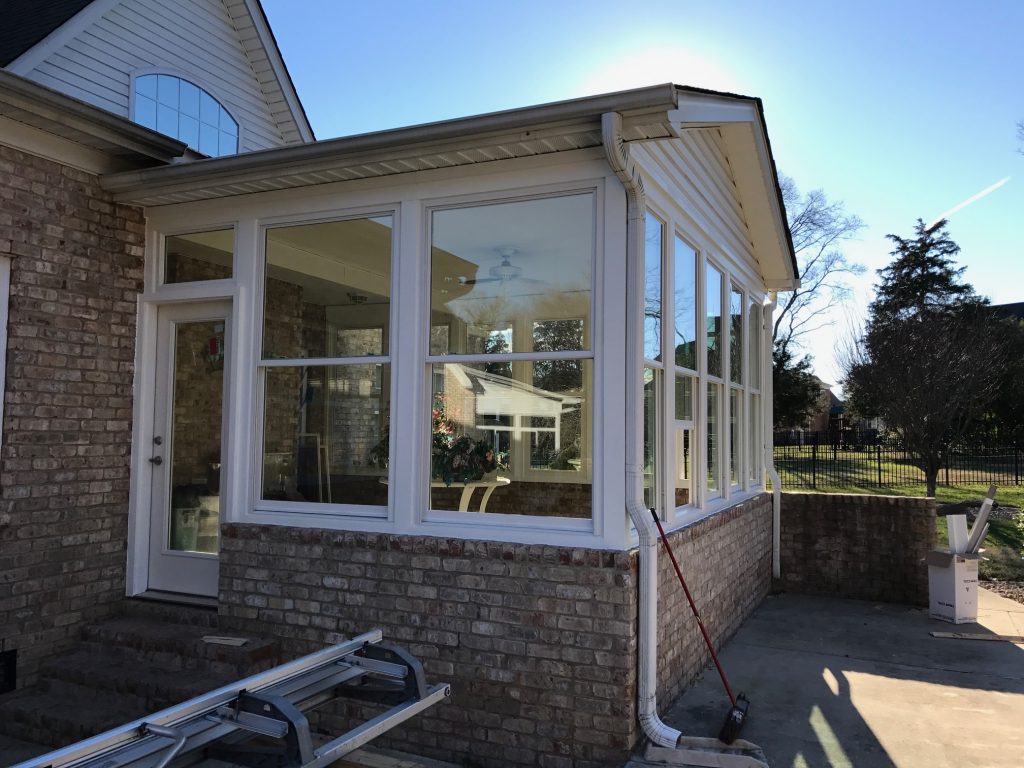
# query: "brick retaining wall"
{"points": [[857, 546], [77, 268]]}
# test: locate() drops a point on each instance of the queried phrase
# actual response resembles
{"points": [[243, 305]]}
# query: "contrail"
{"points": [[968, 201]]}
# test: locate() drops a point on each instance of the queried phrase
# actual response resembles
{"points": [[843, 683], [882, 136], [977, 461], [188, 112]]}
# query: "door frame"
{"points": [[144, 429]]}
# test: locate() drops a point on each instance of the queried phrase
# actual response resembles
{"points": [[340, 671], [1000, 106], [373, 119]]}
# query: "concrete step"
{"points": [[63, 713], [197, 615], [178, 646], [157, 685]]}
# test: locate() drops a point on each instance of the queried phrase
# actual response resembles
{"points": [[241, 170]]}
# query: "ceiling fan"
{"points": [[505, 272]]}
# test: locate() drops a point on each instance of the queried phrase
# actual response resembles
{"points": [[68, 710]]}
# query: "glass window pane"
{"points": [[510, 265], [209, 141], [736, 336], [734, 435], [439, 343], [685, 305], [652, 288], [167, 120], [199, 256], [145, 112], [146, 86], [227, 123], [684, 467], [754, 333], [754, 441], [167, 91], [209, 109], [227, 143], [324, 282], [325, 434], [684, 397], [516, 444], [713, 320], [714, 437], [188, 130], [189, 99], [652, 421]]}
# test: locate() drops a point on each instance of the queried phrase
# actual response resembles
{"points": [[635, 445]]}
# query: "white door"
{"points": [[188, 430]]}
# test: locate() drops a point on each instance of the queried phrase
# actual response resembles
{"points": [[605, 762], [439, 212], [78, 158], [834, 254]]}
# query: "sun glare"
{"points": [[658, 65]]}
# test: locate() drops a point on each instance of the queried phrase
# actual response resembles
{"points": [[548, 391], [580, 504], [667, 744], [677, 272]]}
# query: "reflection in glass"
{"points": [[685, 305], [652, 288], [754, 324], [713, 319], [327, 289], [714, 436], [651, 431], [185, 112], [199, 256], [684, 397], [684, 473], [325, 434], [735, 336], [196, 436], [754, 425], [532, 425], [498, 269]]}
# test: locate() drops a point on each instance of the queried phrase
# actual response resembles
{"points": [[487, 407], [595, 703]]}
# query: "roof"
{"points": [[654, 113], [34, 21]]}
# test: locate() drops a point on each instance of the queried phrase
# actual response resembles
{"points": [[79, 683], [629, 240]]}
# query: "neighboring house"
{"points": [[220, 372]]}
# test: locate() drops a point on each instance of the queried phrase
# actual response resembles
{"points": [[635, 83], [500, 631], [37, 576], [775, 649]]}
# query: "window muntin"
{"points": [[654, 234], [327, 289], [181, 109], [512, 283], [199, 256]]}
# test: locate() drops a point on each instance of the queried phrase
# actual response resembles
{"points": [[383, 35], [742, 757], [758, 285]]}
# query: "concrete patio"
{"points": [[841, 683]]}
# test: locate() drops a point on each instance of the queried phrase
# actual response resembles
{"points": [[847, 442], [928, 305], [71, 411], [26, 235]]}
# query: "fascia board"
{"points": [[284, 80]]}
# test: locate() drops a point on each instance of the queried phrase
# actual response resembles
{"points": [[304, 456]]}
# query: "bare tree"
{"points": [[819, 227]]}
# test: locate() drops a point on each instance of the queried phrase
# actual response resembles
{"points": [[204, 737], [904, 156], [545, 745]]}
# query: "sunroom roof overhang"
{"points": [[550, 128]]}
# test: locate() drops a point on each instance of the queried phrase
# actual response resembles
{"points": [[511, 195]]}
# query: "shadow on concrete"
{"points": [[836, 683]]}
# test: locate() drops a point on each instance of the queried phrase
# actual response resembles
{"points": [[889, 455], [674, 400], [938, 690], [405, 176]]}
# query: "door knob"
{"points": [[157, 460]]}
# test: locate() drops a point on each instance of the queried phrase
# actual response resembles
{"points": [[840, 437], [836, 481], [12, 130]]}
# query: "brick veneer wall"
{"points": [[77, 268], [538, 642], [857, 546], [726, 560]]}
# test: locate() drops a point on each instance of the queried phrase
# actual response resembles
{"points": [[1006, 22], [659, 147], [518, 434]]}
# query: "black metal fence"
{"points": [[868, 459]]}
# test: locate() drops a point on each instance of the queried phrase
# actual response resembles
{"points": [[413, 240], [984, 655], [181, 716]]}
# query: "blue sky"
{"points": [[899, 109]]}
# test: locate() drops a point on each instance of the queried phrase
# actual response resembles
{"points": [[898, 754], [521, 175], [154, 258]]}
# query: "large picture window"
{"points": [[325, 362], [512, 400]]}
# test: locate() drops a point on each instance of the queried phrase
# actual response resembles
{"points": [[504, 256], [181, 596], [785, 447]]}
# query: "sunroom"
{"points": [[494, 328]]}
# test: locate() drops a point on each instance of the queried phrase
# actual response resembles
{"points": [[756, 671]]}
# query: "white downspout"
{"points": [[647, 703], [767, 409]]}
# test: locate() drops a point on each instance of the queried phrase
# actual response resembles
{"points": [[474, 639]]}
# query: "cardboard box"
{"points": [[952, 586]]}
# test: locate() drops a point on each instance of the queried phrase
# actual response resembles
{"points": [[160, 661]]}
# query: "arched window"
{"points": [[185, 111]]}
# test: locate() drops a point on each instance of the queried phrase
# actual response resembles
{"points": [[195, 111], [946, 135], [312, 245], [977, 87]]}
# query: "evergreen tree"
{"points": [[928, 360], [797, 391]]}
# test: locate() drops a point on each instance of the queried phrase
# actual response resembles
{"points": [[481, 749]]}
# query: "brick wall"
{"points": [[76, 271], [726, 560], [857, 546], [538, 642]]}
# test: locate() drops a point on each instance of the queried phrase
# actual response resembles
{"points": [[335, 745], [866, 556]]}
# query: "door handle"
{"points": [[156, 460]]}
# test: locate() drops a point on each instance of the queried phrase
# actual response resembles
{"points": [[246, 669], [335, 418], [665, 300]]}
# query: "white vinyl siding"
{"points": [[185, 38]]}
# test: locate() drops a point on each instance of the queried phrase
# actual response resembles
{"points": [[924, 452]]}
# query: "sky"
{"points": [[901, 109]]}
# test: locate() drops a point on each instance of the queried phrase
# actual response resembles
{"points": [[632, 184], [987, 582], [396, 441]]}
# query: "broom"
{"points": [[740, 704]]}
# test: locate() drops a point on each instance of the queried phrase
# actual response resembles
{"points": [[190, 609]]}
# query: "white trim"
{"points": [[49, 146], [61, 36]]}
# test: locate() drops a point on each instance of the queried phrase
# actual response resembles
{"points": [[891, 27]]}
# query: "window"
{"points": [[512, 376], [199, 256], [186, 112], [326, 362]]}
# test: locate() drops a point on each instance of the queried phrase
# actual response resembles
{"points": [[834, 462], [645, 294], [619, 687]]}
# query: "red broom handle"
{"points": [[693, 606]]}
